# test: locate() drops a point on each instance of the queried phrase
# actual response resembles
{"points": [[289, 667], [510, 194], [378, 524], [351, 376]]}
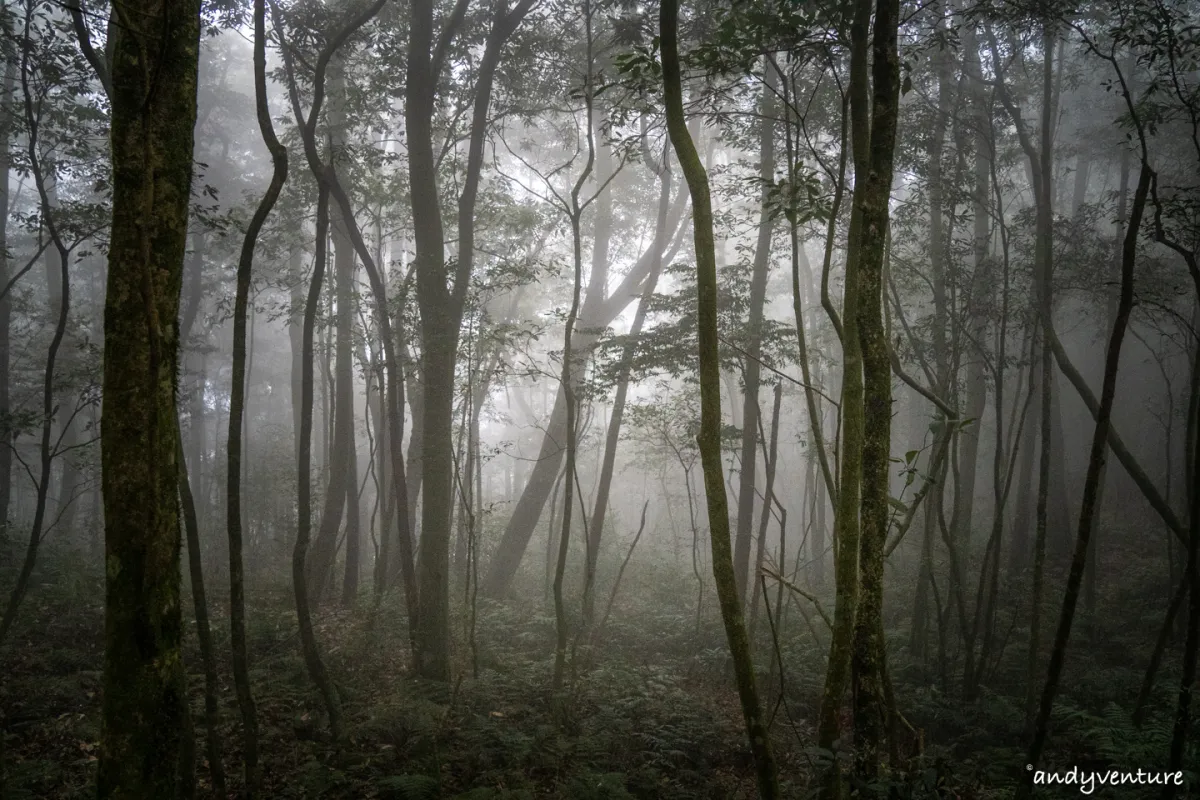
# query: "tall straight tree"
{"points": [[441, 298], [6, 435], [154, 47], [752, 370], [872, 194], [709, 438]]}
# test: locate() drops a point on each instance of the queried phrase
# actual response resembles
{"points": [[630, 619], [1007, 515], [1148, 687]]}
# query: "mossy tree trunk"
{"points": [[869, 663], [709, 438], [154, 46], [846, 530], [441, 297]]}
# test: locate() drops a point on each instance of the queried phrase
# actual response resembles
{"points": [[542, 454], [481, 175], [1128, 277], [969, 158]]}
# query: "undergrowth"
{"points": [[651, 714]]}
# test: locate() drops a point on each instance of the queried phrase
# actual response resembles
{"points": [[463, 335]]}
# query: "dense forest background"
{"points": [[599, 399]]}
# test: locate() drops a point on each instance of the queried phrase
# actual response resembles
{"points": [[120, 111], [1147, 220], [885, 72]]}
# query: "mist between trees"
{"points": [[594, 399]]}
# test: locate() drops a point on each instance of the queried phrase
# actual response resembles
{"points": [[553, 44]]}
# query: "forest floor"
{"points": [[652, 713], [635, 727]]}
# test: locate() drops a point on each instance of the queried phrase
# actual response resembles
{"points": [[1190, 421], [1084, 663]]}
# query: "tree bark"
{"points": [[872, 707], [341, 498], [6, 434], [144, 704], [441, 302], [308, 640], [709, 438]]}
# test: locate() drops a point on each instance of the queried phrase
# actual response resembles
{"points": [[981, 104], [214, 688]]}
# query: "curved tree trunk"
{"points": [[598, 311], [341, 487], [233, 486], [1100, 437], [308, 640], [60, 288], [709, 437], [6, 434]]}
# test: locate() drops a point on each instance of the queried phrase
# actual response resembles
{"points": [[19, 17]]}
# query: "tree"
{"points": [[709, 436], [441, 297], [154, 47], [237, 396]]}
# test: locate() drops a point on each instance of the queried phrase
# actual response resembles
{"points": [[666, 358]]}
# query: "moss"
{"points": [[144, 706]]}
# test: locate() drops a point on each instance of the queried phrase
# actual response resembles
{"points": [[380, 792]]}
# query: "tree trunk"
{"points": [[752, 369], [846, 529], [62, 295], [441, 304], [598, 311], [1099, 447], [771, 463], [6, 434], [1089, 576], [872, 708], [144, 692], [976, 383], [212, 688], [308, 640], [709, 438], [342, 482], [613, 435]]}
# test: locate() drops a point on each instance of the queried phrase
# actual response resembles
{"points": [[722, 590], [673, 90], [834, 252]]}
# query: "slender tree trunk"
{"points": [[977, 301], [1089, 576], [600, 309], [710, 404], [771, 463], [60, 288], [846, 529], [308, 640], [237, 397], [212, 688], [6, 433], [751, 371], [144, 692], [342, 487], [1099, 447], [613, 435]]}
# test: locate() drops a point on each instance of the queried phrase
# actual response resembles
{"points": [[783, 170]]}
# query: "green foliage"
{"points": [[409, 787]]}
